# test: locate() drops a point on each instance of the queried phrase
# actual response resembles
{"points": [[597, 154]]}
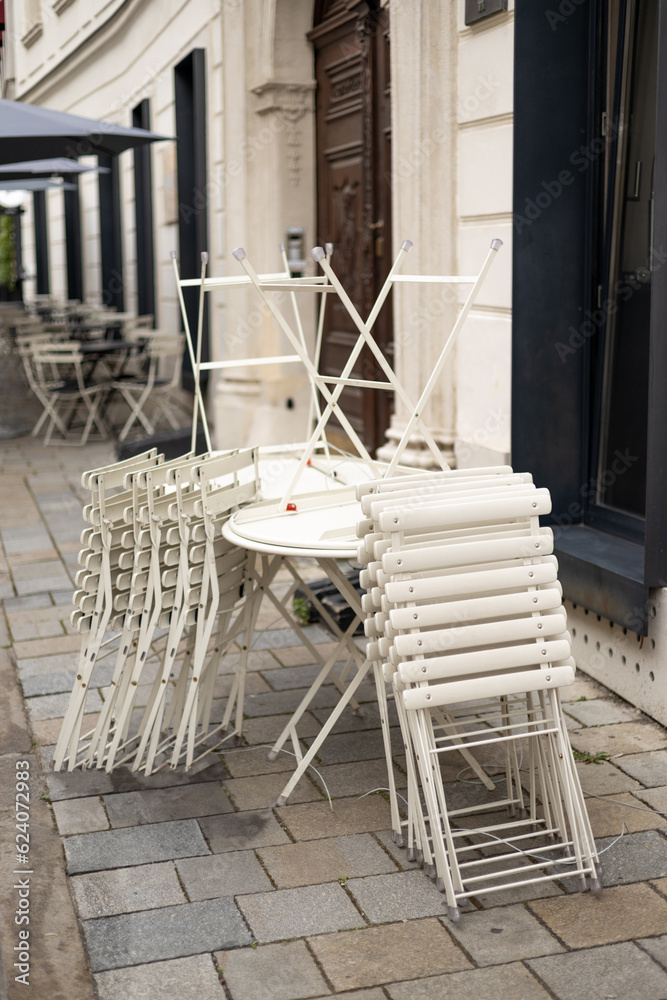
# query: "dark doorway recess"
{"points": [[113, 288], [73, 242], [143, 208], [190, 102], [41, 242], [351, 42]]}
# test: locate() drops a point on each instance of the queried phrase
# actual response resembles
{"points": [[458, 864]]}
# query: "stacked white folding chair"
{"points": [[168, 590], [369, 554], [96, 599], [476, 646], [61, 385]]}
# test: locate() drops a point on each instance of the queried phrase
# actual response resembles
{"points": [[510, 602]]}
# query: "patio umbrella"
{"points": [[28, 132], [56, 166], [35, 184]]}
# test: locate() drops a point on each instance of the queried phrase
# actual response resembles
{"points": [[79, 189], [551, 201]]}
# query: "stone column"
{"points": [[424, 150], [269, 172]]}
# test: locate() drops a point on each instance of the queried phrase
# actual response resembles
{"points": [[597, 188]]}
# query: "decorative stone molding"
{"points": [[417, 453], [60, 5], [289, 102], [34, 32]]}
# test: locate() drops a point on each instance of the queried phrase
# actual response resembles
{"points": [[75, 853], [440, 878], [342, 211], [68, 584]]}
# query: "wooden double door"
{"points": [[351, 42]]}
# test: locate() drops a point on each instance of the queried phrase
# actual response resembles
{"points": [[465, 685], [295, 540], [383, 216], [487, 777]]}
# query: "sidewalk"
{"points": [[194, 886]]}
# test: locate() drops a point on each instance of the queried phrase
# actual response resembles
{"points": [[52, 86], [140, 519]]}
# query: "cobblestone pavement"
{"points": [[196, 886]]}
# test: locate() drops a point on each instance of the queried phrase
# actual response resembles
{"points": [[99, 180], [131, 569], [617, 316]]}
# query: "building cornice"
{"points": [[84, 51]]}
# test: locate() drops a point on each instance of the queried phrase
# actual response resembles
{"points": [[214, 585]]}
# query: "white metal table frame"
{"points": [[272, 558], [273, 552]]}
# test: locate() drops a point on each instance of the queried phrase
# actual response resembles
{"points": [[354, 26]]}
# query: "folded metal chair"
{"points": [[55, 372], [155, 387], [96, 596], [168, 590], [476, 647], [375, 496]]}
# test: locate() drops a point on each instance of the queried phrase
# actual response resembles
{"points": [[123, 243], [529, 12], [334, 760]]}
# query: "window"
{"points": [[589, 355], [627, 75]]}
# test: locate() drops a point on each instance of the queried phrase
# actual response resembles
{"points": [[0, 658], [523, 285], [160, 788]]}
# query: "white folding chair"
{"points": [[55, 372], [96, 595], [476, 646], [155, 387]]}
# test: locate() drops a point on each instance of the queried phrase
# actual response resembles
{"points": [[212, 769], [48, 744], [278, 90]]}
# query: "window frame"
{"points": [[551, 369]]}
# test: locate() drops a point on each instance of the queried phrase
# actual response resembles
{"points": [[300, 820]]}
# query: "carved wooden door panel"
{"points": [[351, 41]]}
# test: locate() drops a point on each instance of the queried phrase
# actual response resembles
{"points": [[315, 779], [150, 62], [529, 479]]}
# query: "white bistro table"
{"points": [[321, 526]]}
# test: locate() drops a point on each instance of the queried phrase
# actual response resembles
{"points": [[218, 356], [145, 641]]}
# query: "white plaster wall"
{"points": [[633, 666], [100, 61]]}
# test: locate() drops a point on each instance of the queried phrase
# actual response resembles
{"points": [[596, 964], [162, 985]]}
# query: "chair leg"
{"points": [[136, 407]]}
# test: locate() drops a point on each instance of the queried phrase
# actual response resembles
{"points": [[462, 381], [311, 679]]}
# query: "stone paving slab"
{"points": [[656, 947], [290, 913], [218, 875], [285, 971], [267, 728], [125, 890], [375, 994], [655, 798], [74, 784], [287, 701], [14, 735], [399, 854], [262, 790], [621, 738], [242, 831], [193, 977], [285, 678], [377, 955], [585, 919], [501, 982], [312, 862], [358, 777], [583, 687], [244, 762], [37, 555], [604, 778], [170, 932], [155, 805], [350, 721], [293, 655], [16, 541], [84, 815], [608, 815], [316, 820], [504, 934], [365, 745], [622, 971], [136, 845], [61, 682], [397, 896], [280, 638], [63, 598], [37, 666], [43, 628], [254, 684], [522, 893], [28, 601], [636, 857], [48, 647], [35, 578], [649, 768], [600, 711], [54, 706], [660, 885]]}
